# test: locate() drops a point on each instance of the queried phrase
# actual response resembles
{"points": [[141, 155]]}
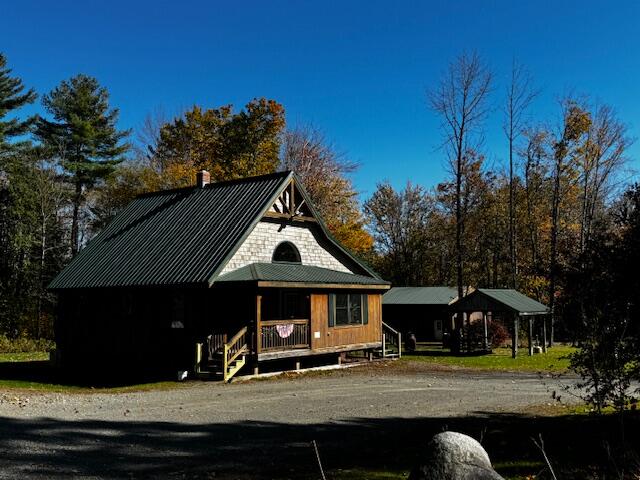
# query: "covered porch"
{"points": [[292, 310]]}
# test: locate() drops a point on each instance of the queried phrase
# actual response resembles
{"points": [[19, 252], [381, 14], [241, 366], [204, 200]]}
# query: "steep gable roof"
{"points": [[180, 237]]}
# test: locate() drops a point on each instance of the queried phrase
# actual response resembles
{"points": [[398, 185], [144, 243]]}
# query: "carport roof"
{"points": [[499, 299], [420, 296]]}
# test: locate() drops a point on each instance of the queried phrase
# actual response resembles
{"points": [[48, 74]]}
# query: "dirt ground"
{"points": [[377, 416]]}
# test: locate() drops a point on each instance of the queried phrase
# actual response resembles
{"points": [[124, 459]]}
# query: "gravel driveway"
{"points": [[243, 429]]}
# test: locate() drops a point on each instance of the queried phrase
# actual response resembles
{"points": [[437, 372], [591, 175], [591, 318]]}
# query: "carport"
{"points": [[508, 304]]}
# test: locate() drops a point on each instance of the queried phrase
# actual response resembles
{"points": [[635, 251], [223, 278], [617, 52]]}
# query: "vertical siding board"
{"points": [[348, 335]]}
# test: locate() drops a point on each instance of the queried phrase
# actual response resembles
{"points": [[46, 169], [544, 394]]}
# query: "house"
{"points": [[422, 311], [217, 278], [507, 306]]}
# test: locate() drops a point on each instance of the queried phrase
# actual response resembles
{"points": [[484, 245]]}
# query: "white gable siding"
{"points": [[265, 237]]}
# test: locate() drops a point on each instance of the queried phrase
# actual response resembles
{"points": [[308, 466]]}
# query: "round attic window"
{"points": [[286, 252]]}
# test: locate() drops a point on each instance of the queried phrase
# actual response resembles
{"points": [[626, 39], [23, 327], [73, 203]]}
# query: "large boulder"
{"points": [[455, 456]]}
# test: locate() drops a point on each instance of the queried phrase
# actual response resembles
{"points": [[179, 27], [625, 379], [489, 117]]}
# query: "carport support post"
{"points": [[530, 319], [544, 334], [486, 333], [514, 337]]}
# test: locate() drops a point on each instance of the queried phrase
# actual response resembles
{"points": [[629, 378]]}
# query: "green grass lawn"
{"points": [[555, 360]]}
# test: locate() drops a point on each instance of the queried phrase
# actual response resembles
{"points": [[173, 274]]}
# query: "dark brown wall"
{"points": [[418, 319]]}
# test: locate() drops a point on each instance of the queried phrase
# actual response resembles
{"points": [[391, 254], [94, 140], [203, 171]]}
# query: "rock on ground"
{"points": [[455, 456]]}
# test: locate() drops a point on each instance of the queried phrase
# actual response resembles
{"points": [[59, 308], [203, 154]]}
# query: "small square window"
{"points": [[348, 309]]}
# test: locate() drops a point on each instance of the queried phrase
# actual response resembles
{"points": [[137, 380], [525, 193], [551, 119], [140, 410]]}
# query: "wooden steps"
{"points": [[225, 360]]}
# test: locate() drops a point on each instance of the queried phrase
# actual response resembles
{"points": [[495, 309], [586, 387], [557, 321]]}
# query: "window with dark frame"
{"points": [[348, 309]]}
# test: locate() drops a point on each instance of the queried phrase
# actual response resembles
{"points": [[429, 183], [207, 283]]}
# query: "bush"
{"points": [[25, 344], [474, 334]]}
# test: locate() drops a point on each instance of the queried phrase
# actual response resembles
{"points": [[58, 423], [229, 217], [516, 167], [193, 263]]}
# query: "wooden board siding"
{"points": [[343, 335]]}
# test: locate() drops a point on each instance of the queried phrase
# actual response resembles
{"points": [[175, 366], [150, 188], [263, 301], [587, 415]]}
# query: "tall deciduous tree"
{"points": [[82, 137], [568, 146], [229, 145], [400, 224], [461, 101], [520, 94], [12, 97]]}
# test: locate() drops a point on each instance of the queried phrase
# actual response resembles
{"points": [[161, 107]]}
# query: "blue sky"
{"points": [[357, 70]]}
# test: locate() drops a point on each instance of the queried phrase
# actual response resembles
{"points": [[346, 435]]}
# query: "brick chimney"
{"points": [[203, 178]]}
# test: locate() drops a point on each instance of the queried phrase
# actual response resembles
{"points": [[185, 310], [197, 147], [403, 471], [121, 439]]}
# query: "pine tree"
{"points": [[82, 138], [12, 97]]}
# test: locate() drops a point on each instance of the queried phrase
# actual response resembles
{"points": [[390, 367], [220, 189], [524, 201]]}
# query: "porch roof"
{"points": [[274, 274]]}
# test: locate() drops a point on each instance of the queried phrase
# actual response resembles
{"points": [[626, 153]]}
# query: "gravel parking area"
{"points": [[244, 429]]}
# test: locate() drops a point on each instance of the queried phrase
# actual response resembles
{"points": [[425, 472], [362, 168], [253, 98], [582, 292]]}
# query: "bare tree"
{"points": [[604, 157], [461, 101], [323, 170], [520, 94]]}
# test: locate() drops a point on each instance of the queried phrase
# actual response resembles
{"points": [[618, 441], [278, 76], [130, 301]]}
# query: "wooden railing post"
{"points": [[225, 364], [384, 343], [258, 323], [198, 363]]}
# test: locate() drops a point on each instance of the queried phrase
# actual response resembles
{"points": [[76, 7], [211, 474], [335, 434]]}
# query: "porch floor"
{"points": [[305, 352]]}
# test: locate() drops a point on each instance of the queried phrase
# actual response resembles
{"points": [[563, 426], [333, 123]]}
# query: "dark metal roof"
{"points": [[420, 296], [173, 237], [485, 299], [181, 237], [296, 273]]}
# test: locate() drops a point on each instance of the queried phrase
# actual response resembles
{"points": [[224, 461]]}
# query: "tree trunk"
{"points": [[553, 264], [512, 226], [75, 230]]}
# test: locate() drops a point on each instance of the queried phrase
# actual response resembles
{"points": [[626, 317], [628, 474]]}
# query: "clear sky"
{"points": [[358, 70]]}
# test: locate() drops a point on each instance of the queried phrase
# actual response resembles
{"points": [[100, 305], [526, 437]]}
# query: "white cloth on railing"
{"points": [[284, 330]]}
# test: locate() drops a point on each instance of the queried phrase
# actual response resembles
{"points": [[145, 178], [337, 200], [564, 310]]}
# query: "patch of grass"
{"points": [[556, 360], [25, 344], [44, 387], [362, 474], [24, 357], [31, 371]]}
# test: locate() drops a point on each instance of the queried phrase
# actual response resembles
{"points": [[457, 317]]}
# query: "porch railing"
{"points": [[284, 334]]}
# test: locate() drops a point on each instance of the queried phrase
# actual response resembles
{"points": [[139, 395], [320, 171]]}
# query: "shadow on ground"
{"points": [[45, 448], [44, 372]]}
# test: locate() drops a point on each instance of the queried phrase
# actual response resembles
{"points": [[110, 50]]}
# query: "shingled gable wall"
{"points": [[262, 241]]}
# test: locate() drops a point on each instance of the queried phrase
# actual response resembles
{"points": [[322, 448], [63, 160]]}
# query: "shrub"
{"points": [[25, 344]]}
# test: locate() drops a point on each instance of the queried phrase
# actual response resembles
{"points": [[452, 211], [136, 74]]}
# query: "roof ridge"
{"points": [[212, 185]]}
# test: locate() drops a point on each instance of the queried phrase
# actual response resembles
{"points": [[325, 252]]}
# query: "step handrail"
{"points": [[232, 350], [394, 333]]}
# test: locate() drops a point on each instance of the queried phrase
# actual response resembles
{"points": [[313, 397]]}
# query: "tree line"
{"points": [[65, 173], [526, 224], [551, 221]]}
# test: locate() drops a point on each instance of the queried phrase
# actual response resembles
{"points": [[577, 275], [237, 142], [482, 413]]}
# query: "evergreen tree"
{"points": [[12, 97], [82, 138]]}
